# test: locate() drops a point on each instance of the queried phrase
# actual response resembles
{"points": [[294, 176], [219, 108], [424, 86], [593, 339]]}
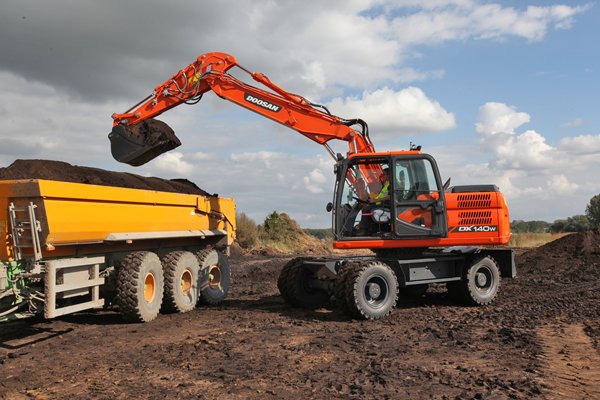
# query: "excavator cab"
{"points": [[412, 206]]}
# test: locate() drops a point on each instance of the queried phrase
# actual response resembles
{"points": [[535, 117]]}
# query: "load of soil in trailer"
{"points": [[62, 171]]}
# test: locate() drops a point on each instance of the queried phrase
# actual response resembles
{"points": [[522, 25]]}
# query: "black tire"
{"points": [[371, 290], [214, 277], [282, 284], [456, 291], [140, 286], [414, 291], [481, 282], [181, 281], [339, 289], [298, 291]]}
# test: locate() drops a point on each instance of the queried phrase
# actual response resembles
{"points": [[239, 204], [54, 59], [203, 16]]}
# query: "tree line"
{"points": [[576, 223]]}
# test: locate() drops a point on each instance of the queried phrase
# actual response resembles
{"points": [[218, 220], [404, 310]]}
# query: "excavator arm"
{"points": [[136, 138]]}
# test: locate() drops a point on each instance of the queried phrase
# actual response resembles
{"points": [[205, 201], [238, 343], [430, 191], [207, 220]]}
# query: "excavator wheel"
{"points": [[140, 284], [339, 290], [480, 283], [295, 286], [181, 281], [371, 290], [214, 276]]}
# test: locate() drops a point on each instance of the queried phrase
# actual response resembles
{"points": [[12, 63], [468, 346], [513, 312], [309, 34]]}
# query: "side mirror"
{"points": [[329, 207], [447, 184]]}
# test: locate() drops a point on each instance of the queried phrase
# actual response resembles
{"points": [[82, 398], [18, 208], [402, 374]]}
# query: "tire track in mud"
{"points": [[570, 363]]}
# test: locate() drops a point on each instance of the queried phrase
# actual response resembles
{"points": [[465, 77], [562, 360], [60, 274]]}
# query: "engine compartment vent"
{"points": [[478, 200], [475, 218]]}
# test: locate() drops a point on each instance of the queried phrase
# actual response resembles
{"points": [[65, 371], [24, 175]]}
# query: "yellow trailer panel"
{"points": [[78, 214]]}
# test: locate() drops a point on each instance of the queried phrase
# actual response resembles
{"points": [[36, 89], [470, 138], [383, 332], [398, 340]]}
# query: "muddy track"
{"points": [[569, 361], [538, 340]]}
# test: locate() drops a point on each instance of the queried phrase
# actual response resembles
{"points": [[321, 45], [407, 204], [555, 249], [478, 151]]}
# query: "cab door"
{"points": [[419, 208]]}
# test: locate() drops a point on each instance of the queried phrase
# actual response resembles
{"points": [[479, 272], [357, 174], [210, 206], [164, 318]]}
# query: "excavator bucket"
{"points": [[137, 144]]}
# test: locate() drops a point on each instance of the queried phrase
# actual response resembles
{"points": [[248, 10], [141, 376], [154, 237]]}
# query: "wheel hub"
{"points": [[481, 279], [186, 282], [374, 290], [149, 287]]}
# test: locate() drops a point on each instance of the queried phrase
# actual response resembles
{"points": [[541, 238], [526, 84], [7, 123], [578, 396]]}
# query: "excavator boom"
{"points": [[137, 138]]}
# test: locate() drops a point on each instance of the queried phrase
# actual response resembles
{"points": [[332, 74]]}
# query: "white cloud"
{"points": [[57, 95], [561, 185], [584, 144], [172, 163], [577, 122], [442, 21], [315, 181], [539, 180], [497, 128], [406, 111]]}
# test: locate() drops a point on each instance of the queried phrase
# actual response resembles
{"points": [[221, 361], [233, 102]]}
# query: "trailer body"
{"points": [[64, 243]]}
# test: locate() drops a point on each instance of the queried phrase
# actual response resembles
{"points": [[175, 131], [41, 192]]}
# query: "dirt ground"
{"points": [[540, 339]]}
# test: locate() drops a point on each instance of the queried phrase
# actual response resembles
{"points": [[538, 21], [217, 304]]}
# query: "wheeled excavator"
{"points": [[422, 232]]}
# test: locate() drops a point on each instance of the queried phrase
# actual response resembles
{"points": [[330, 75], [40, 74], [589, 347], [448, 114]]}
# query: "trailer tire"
{"points": [[214, 277], [371, 290], [482, 281], [140, 286], [181, 281], [297, 290]]}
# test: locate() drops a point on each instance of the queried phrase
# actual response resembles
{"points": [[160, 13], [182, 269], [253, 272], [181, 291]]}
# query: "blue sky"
{"points": [[501, 92]]}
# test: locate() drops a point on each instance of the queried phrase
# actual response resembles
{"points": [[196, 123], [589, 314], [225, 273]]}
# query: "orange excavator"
{"points": [[421, 231]]}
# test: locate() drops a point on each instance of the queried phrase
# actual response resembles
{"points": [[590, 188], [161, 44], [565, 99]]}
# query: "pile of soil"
{"points": [[62, 171], [574, 258]]}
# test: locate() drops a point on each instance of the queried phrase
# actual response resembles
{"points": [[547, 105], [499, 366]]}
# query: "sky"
{"points": [[499, 92]]}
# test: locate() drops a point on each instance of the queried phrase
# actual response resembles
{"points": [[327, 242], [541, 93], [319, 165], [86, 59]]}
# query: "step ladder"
{"points": [[25, 231]]}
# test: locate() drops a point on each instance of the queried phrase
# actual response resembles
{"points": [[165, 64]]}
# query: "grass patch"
{"points": [[529, 239]]}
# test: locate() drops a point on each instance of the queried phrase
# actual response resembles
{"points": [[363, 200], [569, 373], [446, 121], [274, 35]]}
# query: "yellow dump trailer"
{"points": [[68, 247]]}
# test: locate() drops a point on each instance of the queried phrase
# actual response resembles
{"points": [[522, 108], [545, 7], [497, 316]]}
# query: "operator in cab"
{"points": [[379, 200]]}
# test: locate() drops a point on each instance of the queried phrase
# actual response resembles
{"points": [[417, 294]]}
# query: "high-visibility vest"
{"points": [[385, 190]]}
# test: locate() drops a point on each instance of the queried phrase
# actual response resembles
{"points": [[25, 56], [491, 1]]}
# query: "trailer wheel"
{"points": [[140, 285], [214, 276], [181, 281], [298, 291], [371, 290], [482, 281]]}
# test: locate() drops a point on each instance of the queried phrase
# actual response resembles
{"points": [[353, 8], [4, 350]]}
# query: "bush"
{"points": [[247, 231], [280, 227]]}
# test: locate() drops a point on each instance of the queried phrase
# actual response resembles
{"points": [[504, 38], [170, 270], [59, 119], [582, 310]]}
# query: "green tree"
{"points": [[592, 211], [577, 223]]}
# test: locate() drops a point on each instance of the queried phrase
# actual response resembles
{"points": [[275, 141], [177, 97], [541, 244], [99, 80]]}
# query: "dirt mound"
{"points": [[62, 171], [572, 258]]}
